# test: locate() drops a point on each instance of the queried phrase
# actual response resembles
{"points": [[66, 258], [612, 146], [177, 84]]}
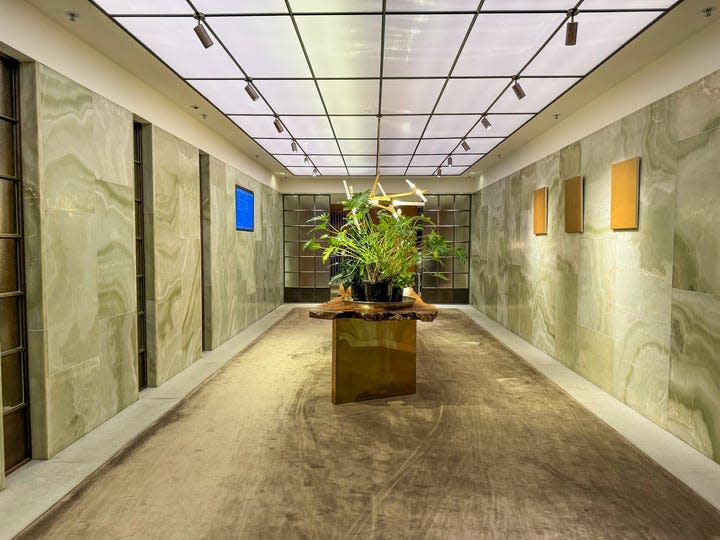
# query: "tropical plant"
{"points": [[379, 246]]}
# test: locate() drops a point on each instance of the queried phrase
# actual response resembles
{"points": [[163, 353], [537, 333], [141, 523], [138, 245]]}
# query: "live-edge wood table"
{"points": [[373, 349]]}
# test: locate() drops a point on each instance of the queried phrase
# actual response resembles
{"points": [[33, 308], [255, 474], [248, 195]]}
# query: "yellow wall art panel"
{"points": [[624, 194], [540, 211], [574, 205]]}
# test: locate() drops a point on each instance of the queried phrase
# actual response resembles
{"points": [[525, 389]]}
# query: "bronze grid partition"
{"points": [[140, 256], [452, 214], [13, 331]]}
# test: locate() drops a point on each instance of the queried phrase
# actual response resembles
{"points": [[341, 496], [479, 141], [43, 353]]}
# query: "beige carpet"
{"points": [[488, 448]]}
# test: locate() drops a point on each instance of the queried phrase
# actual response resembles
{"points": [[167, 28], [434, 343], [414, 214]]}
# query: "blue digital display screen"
{"points": [[244, 209]]}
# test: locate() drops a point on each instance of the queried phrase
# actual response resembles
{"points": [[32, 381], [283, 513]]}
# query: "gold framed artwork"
{"points": [[540, 200], [574, 205], [625, 195]]}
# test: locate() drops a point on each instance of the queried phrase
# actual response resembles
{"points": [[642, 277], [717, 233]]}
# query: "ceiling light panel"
{"points": [[358, 146], [427, 160], [350, 97], [308, 127], [450, 125], [397, 146], [465, 160], [257, 126], [319, 146], [173, 40], [360, 161], [432, 5], [325, 6], [527, 5], [394, 161], [402, 127], [538, 94], [599, 35], [263, 46], [437, 146], [470, 95], [392, 171], [354, 127], [403, 96], [627, 4], [333, 171], [503, 125], [421, 171], [327, 161], [230, 97], [361, 171], [276, 146], [301, 171], [209, 7], [502, 43], [342, 45], [422, 45], [138, 7], [291, 97], [482, 146]]}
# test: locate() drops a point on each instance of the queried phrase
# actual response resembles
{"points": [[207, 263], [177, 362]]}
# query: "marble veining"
{"points": [[620, 308]]}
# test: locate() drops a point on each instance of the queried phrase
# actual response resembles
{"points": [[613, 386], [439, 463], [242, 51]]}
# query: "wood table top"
{"points": [[337, 308]]}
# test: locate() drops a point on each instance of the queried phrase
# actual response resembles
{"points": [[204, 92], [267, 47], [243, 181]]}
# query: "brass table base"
{"points": [[372, 359]]}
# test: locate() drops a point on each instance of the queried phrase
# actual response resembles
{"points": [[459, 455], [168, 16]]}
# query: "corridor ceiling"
{"points": [[405, 80]]}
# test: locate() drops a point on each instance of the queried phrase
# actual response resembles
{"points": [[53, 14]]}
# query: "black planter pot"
{"points": [[377, 291], [357, 290], [396, 295]]}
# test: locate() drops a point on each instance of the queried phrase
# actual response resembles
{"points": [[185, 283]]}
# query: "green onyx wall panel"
{"points": [[635, 312], [80, 257], [243, 270], [172, 218]]}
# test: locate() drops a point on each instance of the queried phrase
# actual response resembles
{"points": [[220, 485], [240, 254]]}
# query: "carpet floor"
{"points": [[487, 448]]}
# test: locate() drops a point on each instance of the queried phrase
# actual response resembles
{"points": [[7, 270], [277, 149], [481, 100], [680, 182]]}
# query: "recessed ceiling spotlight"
{"points": [[571, 29], [709, 11], [72, 16], [278, 125], [486, 123], [465, 145], [293, 145], [519, 92], [201, 32], [250, 89]]}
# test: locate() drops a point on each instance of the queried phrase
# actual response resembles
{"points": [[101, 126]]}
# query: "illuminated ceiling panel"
{"points": [[428, 69]]}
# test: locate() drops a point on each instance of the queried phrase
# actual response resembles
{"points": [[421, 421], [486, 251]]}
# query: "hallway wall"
{"points": [[635, 312], [240, 282]]}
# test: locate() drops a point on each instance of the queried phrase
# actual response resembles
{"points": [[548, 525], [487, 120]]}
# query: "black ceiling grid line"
{"points": [[249, 79], [394, 77], [317, 86], [195, 90], [370, 115], [507, 87], [580, 77], [380, 88], [447, 79]]}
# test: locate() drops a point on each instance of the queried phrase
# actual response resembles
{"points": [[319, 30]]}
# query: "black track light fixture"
{"points": [[465, 145], [306, 160], [486, 123], [293, 146], [439, 171], [315, 172], [519, 92], [250, 89], [449, 161], [571, 29], [278, 125], [201, 32]]}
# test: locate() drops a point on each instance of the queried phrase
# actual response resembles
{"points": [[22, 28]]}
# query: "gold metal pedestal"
{"points": [[372, 359]]}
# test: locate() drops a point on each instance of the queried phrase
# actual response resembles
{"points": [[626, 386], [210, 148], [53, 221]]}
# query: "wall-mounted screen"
{"points": [[244, 209]]}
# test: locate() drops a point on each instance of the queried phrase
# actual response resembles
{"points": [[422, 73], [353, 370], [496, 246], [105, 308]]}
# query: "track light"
{"points": [[449, 161], [571, 30], [315, 172], [486, 123], [439, 171], [250, 89], [307, 160], [202, 34], [519, 92], [465, 145], [278, 125], [293, 145]]}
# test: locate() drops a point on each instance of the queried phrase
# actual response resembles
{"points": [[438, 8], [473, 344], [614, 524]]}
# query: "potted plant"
{"points": [[379, 247]]}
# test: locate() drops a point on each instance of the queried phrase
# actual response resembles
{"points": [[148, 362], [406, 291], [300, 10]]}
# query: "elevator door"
{"points": [[13, 355]]}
